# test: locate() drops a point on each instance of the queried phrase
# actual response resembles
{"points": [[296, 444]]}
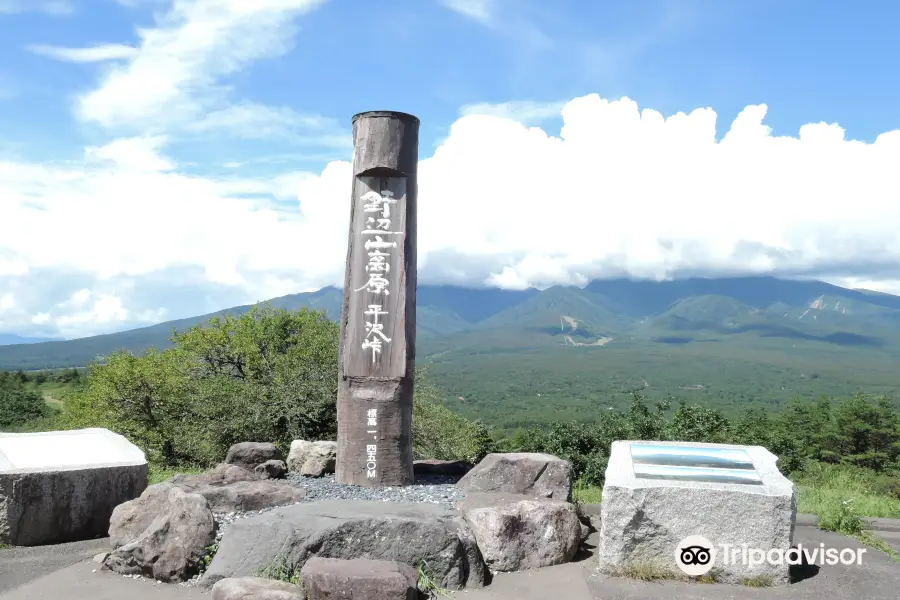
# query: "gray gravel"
{"points": [[431, 489], [435, 490]]}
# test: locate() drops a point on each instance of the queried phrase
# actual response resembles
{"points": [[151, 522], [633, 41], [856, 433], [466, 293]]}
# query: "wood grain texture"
{"points": [[377, 451]]}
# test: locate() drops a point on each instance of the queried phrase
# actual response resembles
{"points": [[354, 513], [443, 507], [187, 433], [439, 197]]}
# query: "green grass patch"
{"points": [[824, 488], [159, 474], [647, 571], [843, 497], [757, 582], [586, 494], [279, 570]]}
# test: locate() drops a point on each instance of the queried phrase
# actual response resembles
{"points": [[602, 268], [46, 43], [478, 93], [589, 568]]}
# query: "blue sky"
{"points": [[163, 158]]}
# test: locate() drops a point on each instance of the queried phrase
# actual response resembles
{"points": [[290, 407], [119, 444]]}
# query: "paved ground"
{"points": [[67, 572], [878, 578], [83, 581], [21, 565]]}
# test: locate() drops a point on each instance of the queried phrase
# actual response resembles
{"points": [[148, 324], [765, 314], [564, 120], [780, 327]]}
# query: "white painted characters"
{"points": [[376, 202], [371, 449], [371, 465], [378, 267]]}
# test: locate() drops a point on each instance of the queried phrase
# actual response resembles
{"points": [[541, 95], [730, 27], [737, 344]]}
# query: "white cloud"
{"points": [[175, 75], [524, 111], [7, 301], [618, 191], [478, 10], [85, 308], [100, 53], [131, 154]]}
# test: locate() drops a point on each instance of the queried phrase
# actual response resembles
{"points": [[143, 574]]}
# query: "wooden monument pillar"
{"points": [[378, 317]]}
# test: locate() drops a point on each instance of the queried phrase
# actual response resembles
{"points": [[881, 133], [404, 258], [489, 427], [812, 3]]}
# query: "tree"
{"points": [[19, 405], [864, 432], [267, 375], [145, 398], [692, 423], [804, 425]]}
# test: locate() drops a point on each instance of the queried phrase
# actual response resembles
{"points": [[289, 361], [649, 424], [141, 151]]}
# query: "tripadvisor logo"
{"points": [[695, 555]]}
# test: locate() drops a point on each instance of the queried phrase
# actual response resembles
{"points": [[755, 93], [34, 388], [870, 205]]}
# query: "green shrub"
{"points": [[20, 406], [267, 375]]}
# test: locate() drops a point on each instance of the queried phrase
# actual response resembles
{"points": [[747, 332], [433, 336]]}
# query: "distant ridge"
{"points": [[745, 310]]}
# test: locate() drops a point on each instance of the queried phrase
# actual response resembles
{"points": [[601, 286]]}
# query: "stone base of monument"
{"points": [[658, 494], [62, 486]]}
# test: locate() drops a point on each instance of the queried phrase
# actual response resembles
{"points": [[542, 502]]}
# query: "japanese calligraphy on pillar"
{"points": [[372, 449], [376, 375], [376, 345]]}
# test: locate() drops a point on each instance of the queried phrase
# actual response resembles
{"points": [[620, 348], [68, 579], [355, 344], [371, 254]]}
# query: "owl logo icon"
{"points": [[695, 555]]}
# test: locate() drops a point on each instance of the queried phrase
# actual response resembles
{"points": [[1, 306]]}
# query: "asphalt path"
{"points": [[67, 571]]}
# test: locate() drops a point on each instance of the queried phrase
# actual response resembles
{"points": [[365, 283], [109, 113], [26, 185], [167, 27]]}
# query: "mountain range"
{"points": [[609, 336]]}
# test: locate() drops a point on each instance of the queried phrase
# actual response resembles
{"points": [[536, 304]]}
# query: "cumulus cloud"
{"points": [[91, 54], [174, 75], [618, 191]]}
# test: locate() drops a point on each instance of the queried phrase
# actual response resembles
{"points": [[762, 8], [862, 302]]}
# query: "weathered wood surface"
{"points": [[378, 336]]}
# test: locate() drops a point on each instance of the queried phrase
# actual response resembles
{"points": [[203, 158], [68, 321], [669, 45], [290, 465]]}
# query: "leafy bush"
{"points": [[268, 375], [20, 406]]}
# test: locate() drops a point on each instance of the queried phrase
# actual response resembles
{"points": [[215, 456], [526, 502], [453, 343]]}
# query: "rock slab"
{"points": [[62, 486], [515, 532], [250, 454], [531, 474], [230, 488], [358, 579], [643, 520], [256, 588], [171, 548], [347, 529]]}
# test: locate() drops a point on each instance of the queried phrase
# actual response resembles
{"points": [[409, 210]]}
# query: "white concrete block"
{"points": [[61, 486], [656, 494]]}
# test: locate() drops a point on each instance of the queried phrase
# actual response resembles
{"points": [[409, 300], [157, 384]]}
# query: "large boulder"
{"points": [[256, 588], [130, 519], [271, 469], [516, 532], [358, 579], [531, 474], [250, 454], [404, 532], [230, 488], [313, 459], [173, 545], [62, 486]]}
